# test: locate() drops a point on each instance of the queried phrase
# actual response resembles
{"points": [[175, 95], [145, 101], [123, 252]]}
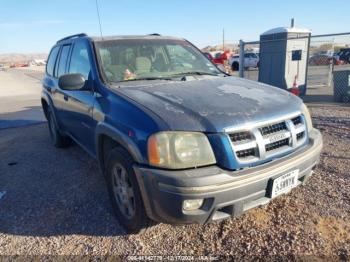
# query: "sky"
{"points": [[33, 26]]}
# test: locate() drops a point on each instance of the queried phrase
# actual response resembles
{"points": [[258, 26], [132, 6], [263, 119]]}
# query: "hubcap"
{"points": [[123, 192]]}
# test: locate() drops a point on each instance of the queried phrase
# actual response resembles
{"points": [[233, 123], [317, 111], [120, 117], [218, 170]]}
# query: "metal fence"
{"points": [[328, 62]]}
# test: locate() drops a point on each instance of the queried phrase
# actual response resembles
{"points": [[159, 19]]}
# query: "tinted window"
{"points": [[79, 62], [51, 61], [63, 60]]}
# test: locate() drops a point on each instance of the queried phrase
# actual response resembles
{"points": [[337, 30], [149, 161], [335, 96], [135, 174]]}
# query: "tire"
{"points": [[125, 193], [235, 66], [57, 139]]}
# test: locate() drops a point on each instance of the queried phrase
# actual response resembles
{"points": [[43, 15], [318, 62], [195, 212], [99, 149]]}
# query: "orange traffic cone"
{"points": [[295, 89]]}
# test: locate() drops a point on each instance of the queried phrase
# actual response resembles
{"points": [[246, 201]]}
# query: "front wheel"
{"points": [[124, 191]]}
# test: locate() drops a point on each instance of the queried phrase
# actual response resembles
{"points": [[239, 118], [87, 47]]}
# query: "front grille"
{"points": [[245, 153], [276, 145], [266, 130], [300, 135], [296, 120], [241, 136], [268, 140]]}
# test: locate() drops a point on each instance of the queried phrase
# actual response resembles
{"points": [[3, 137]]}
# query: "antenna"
{"points": [[223, 39], [98, 16]]}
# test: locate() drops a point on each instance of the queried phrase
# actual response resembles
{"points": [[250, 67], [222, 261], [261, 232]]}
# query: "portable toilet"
{"points": [[284, 58]]}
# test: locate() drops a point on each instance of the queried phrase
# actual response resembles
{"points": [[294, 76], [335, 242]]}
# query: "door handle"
{"points": [[48, 88], [65, 97]]}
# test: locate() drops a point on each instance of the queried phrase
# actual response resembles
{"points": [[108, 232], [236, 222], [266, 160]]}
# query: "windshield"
{"points": [[133, 59]]}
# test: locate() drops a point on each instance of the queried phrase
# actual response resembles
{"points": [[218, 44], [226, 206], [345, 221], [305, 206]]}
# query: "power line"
{"points": [[98, 16]]}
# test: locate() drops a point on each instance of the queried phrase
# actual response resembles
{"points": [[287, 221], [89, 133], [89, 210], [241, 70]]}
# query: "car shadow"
{"points": [[45, 191], [26, 116]]}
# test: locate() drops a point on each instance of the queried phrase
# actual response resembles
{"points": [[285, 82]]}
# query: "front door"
{"points": [[79, 104]]}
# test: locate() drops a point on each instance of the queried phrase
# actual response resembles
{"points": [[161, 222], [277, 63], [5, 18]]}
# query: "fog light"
{"points": [[192, 204]]}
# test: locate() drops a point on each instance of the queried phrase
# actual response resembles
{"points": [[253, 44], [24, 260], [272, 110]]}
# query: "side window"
{"points": [[52, 60], [63, 60], [80, 62]]}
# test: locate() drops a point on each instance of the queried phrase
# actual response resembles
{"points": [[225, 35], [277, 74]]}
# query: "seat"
{"points": [[159, 63], [113, 72], [143, 65]]}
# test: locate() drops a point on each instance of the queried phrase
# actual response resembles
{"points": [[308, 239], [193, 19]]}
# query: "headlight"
{"points": [[307, 116], [179, 150]]}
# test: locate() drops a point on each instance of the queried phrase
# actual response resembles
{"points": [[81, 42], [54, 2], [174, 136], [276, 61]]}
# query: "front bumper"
{"points": [[226, 193]]}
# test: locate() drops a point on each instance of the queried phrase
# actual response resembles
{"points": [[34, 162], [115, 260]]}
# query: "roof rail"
{"points": [[72, 36], [155, 34]]}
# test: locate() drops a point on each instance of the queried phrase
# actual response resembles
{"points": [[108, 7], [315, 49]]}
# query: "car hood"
{"points": [[212, 104]]}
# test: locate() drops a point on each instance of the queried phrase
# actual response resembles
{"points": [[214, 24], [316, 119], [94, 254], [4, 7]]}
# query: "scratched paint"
{"points": [[2, 194]]}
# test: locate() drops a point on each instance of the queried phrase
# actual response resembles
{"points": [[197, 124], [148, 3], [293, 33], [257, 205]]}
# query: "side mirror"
{"points": [[221, 67], [71, 82]]}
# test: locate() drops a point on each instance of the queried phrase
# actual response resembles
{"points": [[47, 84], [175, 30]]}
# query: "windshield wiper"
{"points": [[195, 73], [145, 78]]}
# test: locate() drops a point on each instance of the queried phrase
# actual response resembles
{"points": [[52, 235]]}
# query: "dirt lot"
{"points": [[55, 202]]}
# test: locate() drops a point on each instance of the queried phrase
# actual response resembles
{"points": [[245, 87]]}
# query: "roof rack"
{"points": [[155, 34], [72, 36]]}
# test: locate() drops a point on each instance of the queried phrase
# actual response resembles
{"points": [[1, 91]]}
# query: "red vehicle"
{"points": [[210, 57], [219, 58], [320, 59], [21, 65]]}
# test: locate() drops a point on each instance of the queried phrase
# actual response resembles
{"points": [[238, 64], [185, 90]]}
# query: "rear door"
{"points": [[247, 60], [50, 82], [59, 95]]}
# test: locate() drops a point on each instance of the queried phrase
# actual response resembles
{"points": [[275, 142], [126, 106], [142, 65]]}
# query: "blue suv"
{"points": [[178, 140]]}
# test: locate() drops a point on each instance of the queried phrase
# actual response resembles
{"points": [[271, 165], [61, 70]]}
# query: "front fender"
{"points": [[121, 138]]}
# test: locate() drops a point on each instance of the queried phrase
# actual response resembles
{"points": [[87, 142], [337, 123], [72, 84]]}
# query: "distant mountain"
{"points": [[11, 58], [230, 46]]}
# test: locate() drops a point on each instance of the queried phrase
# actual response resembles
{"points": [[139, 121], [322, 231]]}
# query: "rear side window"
{"points": [[63, 60], [52, 60], [80, 62]]}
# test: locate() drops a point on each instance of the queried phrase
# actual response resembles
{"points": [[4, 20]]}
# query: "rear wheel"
{"points": [[57, 139], [235, 66], [124, 192]]}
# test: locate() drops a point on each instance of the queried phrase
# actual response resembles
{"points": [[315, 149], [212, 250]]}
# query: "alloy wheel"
{"points": [[123, 191]]}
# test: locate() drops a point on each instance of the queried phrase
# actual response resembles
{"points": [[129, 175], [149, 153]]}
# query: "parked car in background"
{"points": [[251, 59], [177, 140], [209, 55], [218, 57], [344, 55], [2, 68], [324, 59], [19, 65]]}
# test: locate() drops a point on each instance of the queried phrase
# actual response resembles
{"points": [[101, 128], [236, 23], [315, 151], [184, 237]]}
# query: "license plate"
{"points": [[284, 183], [277, 137]]}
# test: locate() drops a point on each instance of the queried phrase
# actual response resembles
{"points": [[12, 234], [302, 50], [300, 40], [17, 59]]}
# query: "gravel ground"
{"points": [[54, 202]]}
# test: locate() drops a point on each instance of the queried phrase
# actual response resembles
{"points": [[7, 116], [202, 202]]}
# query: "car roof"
{"points": [[123, 37], [71, 38]]}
